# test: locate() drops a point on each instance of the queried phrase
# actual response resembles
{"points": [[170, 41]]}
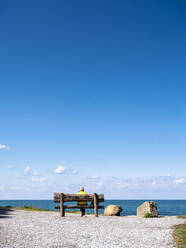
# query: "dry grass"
{"points": [[180, 234], [32, 208], [28, 208], [183, 216]]}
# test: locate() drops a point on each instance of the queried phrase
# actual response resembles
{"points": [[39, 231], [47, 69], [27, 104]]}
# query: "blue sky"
{"points": [[93, 93]]}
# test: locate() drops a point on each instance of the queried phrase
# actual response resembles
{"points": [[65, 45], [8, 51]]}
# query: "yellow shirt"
{"points": [[82, 193]]}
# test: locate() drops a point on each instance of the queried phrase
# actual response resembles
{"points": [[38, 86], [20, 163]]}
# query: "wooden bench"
{"points": [[94, 200]]}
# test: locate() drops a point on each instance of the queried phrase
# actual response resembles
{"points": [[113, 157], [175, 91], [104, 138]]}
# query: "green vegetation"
{"points": [[148, 215], [180, 235], [29, 208], [73, 212], [183, 216], [32, 208], [8, 206]]}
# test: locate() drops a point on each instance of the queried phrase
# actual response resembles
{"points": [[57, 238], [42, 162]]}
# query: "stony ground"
{"points": [[30, 229]]}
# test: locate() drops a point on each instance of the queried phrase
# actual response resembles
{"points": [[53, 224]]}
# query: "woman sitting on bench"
{"points": [[84, 203]]}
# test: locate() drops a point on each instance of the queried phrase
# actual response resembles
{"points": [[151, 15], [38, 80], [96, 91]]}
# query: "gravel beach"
{"points": [[31, 229]]}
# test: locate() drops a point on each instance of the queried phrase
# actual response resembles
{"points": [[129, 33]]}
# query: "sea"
{"points": [[165, 207]]}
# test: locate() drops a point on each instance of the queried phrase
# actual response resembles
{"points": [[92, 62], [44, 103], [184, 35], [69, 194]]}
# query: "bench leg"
{"points": [[95, 205]]}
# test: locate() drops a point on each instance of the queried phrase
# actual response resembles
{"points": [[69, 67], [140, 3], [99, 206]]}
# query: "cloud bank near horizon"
{"points": [[31, 183], [113, 188]]}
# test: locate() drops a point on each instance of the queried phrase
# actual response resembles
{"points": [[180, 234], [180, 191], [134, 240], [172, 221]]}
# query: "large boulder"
{"points": [[147, 207], [113, 210]]}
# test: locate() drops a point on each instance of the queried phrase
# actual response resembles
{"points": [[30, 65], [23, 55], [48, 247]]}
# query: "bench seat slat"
{"points": [[78, 206]]}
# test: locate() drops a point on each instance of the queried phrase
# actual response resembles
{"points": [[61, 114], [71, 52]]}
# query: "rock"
{"points": [[147, 207], [113, 210]]}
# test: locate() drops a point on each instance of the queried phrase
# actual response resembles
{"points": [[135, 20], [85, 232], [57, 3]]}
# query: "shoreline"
{"points": [[32, 208], [165, 207]]}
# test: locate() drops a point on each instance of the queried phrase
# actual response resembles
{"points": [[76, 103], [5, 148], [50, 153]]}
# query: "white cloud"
{"points": [[27, 170], [60, 169], [16, 188], [38, 179], [35, 173], [180, 180], [5, 147], [93, 177], [100, 184], [122, 185], [73, 171], [10, 166], [2, 187]]}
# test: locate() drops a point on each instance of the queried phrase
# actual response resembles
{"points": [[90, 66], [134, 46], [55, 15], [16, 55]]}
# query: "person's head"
{"points": [[81, 189]]}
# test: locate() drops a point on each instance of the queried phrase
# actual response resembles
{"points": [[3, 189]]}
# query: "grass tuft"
{"points": [[183, 216], [32, 208], [73, 212], [180, 235], [148, 215], [25, 207]]}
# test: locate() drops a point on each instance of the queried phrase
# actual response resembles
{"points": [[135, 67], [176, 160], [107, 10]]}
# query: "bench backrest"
{"points": [[76, 197]]}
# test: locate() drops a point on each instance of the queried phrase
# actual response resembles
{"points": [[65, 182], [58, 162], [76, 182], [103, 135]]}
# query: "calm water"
{"points": [[165, 207]]}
